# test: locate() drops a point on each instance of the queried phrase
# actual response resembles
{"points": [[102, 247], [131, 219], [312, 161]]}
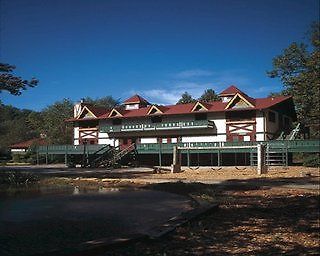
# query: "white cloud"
{"points": [[169, 92], [193, 73]]}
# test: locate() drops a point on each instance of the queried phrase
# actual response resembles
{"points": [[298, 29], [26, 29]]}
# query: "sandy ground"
{"points": [[226, 173]]}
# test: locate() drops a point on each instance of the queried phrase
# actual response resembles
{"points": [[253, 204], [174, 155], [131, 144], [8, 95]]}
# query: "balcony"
{"points": [[158, 126]]}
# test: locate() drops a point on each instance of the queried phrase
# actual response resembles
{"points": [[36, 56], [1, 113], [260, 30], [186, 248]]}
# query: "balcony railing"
{"points": [[158, 126], [289, 145]]}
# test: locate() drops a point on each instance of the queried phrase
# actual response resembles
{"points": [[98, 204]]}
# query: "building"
{"points": [[236, 117], [23, 146]]}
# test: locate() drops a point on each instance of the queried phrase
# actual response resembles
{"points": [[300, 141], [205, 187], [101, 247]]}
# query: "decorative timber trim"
{"points": [[198, 104], [238, 95], [157, 110], [241, 122], [87, 109], [114, 113]]}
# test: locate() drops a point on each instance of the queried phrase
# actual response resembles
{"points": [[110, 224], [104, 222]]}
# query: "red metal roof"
{"points": [[136, 99], [215, 106], [231, 90], [97, 111], [28, 143]]}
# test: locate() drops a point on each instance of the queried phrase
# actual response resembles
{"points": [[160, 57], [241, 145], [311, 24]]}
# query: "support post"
{"points": [[188, 157], [160, 156], [46, 155], [261, 161], [66, 155], [176, 165], [219, 158], [37, 155]]}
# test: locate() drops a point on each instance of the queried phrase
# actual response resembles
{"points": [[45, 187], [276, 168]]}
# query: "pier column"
{"points": [[176, 165], [66, 155], [160, 155], [261, 161]]}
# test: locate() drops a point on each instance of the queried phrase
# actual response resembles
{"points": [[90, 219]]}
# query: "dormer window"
{"points": [[239, 101], [135, 102], [86, 113], [226, 99], [114, 113], [199, 107], [154, 110]]}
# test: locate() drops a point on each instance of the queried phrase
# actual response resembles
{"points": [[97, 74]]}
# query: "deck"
{"points": [[290, 146]]}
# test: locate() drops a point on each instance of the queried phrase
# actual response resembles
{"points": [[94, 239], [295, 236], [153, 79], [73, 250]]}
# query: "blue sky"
{"points": [[159, 49]]}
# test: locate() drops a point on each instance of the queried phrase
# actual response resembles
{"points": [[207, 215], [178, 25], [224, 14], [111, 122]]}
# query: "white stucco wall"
{"points": [[18, 150], [260, 126], [148, 140], [76, 132], [218, 138]]}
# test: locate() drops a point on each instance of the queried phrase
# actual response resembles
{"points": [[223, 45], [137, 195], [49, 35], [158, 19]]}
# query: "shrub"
{"points": [[17, 178], [311, 160]]}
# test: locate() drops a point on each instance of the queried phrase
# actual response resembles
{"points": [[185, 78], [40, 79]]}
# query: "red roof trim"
{"points": [[29, 143]]}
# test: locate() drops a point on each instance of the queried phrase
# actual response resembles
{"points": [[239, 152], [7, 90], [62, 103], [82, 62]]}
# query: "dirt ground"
{"points": [[251, 220], [226, 173], [273, 214]]}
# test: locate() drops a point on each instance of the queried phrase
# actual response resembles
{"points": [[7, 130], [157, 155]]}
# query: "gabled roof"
{"points": [[203, 105], [115, 112], [136, 99], [231, 90], [95, 111], [248, 100], [28, 143], [184, 109], [158, 109]]}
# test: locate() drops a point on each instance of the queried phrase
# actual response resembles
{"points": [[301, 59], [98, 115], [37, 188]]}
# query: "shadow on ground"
{"points": [[256, 217]]}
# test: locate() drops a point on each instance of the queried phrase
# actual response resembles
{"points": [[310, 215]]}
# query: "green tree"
{"points": [[13, 127], [11, 83], [298, 67], [53, 122], [107, 102], [186, 98], [209, 95]]}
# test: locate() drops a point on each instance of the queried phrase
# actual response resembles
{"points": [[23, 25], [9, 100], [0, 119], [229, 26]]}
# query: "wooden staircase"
{"points": [[276, 155], [116, 156]]}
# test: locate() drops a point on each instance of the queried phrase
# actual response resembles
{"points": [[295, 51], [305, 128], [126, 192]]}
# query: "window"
{"points": [[174, 140], [272, 116], [156, 119], [201, 116], [164, 140], [116, 121], [286, 122], [88, 124], [240, 116]]}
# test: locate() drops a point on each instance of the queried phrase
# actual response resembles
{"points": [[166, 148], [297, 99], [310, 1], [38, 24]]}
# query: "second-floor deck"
{"points": [[201, 147]]}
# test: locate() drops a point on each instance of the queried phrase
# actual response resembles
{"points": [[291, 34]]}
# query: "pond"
{"points": [[39, 219]]}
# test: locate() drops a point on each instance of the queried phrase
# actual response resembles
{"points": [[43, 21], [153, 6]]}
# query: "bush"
{"points": [[17, 158], [17, 178], [311, 160]]}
